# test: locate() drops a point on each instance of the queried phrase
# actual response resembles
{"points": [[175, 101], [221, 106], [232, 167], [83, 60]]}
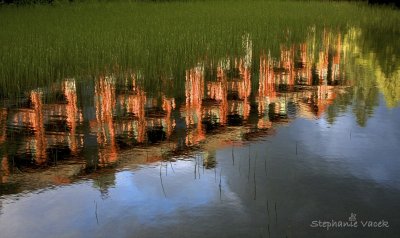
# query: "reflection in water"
{"points": [[30, 121], [104, 125], [35, 118], [168, 105], [199, 171], [192, 111], [50, 127], [74, 116], [134, 123]]}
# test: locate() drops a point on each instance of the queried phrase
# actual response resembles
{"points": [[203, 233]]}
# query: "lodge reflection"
{"points": [[40, 129], [192, 111], [103, 127], [300, 82]]}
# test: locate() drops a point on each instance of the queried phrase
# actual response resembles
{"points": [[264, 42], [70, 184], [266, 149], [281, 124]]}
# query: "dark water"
{"points": [[255, 146]]}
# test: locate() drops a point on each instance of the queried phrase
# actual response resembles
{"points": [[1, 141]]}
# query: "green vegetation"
{"points": [[44, 43], [370, 69]]}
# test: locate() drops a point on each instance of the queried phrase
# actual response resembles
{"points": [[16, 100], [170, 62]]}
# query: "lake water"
{"points": [[260, 145]]}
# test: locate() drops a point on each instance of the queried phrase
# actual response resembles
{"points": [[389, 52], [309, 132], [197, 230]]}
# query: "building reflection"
{"points": [[29, 123], [133, 102], [239, 106], [300, 82], [192, 110], [292, 79], [62, 118], [217, 91], [36, 120], [266, 91], [304, 65], [103, 126], [129, 117], [40, 131], [74, 116], [168, 105]]}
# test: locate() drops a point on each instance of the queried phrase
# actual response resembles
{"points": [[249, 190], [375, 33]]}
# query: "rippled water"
{"points": [[254, 146]]}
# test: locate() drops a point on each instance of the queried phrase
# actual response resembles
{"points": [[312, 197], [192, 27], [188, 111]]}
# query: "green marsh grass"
{"points": [[41, 44]]}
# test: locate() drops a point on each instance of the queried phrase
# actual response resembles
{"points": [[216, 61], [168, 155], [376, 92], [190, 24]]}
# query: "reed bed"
{"points": [[40, 44]]}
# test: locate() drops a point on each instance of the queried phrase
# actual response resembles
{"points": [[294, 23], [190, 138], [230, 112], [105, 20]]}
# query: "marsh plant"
{"points": [[43, 43]]}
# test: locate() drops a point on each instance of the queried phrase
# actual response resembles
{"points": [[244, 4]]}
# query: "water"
{"points": [[256, 146]]}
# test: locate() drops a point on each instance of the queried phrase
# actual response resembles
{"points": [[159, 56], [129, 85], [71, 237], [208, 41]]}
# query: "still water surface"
{"points": [[252, 146]]}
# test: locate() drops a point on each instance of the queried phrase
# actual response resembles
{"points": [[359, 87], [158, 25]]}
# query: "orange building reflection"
{"points": [[266, 91], [74, 115], [304, 70], [168, 105], [31, 119], [286, 67], [301, 81], [46, 122], [218, 91], [134, 104], [105, 102], [192, 111], [240, 89], [36, 120], [288, 72], [61, 119]]}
